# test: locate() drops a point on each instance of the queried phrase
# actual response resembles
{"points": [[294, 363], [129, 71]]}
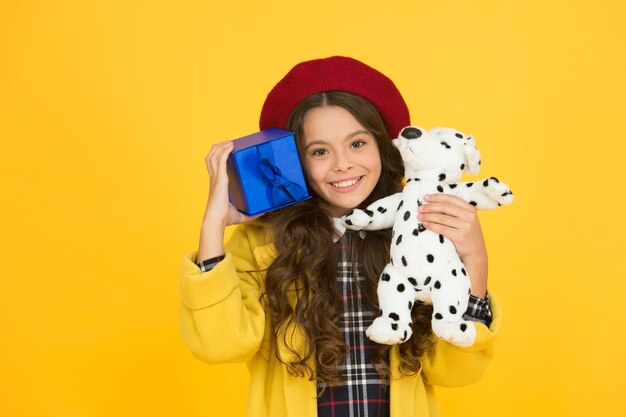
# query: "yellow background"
{"points": [[107, 109]]}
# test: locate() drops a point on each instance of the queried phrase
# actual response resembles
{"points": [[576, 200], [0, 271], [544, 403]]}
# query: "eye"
{"points": [[319, 152], [358, 143]]}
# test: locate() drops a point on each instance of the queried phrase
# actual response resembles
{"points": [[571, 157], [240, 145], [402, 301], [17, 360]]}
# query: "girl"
{"points": [[292, 292]]}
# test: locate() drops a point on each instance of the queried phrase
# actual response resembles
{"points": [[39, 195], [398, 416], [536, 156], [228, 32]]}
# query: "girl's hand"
{"points": [[457, 220], [219, 211]]}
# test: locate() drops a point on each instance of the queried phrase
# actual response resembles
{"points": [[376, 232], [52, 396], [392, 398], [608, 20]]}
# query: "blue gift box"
{"points": [[265, 173]]}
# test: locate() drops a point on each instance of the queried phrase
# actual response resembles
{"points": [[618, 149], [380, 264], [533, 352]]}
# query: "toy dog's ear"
{"points": [[472, 156]]}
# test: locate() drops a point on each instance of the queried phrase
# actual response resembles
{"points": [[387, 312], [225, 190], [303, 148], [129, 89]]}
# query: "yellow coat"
{"points": [[222, 321]]}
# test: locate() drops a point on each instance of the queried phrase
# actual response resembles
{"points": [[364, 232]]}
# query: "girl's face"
{"points": [[341, 158]]}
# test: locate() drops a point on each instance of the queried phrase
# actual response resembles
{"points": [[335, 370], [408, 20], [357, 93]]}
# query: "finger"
{"points": [[210, 158], [217, 153], [223, 158], [217, 149], [448, 198], [214, 149], [218, 174], [443, 219], [446, 208]]}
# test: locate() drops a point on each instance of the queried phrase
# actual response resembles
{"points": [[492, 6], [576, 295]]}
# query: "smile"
{"points": [[347, 183]]}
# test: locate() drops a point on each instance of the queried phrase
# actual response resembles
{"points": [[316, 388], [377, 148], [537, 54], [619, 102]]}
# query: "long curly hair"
{"points": [[305, 268]]}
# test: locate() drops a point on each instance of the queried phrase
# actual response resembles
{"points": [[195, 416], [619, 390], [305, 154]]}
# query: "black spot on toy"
{"points": [[437, 285], [438, 316], [430, 258], [452, 310], [400, 288], [385, 277], [404, 261], [399, 240], [440, 188], [442, 177], [394, 326], [394, 316]]}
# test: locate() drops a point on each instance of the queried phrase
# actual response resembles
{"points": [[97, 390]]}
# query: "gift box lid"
{"points": [[259, 137]]}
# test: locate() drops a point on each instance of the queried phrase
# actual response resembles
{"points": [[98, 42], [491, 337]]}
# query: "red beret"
{"points": [[335, 73]]}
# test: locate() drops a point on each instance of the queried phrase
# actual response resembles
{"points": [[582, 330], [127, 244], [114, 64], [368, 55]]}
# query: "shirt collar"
{"points": [[340, 229]]}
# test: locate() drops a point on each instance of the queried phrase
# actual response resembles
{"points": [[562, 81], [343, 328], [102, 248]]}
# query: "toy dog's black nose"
{"points": [[411, 133]]}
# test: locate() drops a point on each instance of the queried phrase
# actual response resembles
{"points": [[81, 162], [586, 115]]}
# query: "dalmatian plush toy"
{"points": [[425, 266]]}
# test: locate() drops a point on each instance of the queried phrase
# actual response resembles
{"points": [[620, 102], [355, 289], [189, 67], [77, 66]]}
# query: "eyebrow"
{"points": [[323, 142]]}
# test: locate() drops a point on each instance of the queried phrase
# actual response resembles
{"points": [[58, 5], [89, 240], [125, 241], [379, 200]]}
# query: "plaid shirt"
{"points": [[363, 392]]}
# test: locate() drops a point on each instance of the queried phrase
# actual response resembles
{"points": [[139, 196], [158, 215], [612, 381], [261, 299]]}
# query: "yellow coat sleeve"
{"points": [[221, 317], [451, 366]]}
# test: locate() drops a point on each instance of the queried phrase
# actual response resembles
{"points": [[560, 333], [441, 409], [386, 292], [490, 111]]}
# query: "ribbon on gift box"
{"points": [[284, 190]]}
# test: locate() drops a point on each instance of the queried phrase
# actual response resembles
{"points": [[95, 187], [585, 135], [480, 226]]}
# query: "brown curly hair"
{"points": [[306, 263]]}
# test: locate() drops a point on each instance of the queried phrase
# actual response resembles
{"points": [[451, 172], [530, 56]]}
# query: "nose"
{"points": [[411, 133], [342, 162]]}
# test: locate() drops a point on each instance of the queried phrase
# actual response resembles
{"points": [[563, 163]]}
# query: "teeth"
{"points": [[344, 184]]}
